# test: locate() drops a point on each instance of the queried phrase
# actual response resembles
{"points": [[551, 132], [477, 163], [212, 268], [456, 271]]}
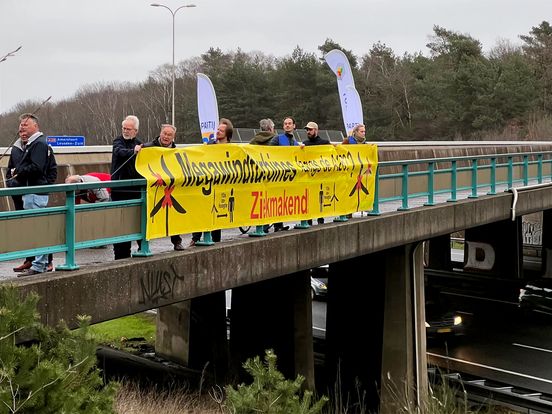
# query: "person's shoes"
{"points": [[281, 228], [50, 267], [29, 272], [26, 265], [192, 243], [266, 227], [309, 222], [178, 247], [320, 220]]}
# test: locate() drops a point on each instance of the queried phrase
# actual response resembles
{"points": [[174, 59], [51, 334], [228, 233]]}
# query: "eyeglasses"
{"points": [[309, 129]]}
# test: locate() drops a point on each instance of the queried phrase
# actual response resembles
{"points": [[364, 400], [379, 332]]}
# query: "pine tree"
{"points": [[55, 371], [270, 392]]}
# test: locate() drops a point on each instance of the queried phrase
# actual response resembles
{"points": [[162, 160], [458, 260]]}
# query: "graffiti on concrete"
{"points": [[532, 232], [158, 285]]}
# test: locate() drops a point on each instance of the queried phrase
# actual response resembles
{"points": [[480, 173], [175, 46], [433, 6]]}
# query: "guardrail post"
{"points": [[375, 207], [430, 185], [206, 241], [539, 168], [303, 225], [474, 179], [453, 179], [404, 188], [510, 172], [259, 232], [493, 177], [525, 170], [69, 233], [144, 249]]}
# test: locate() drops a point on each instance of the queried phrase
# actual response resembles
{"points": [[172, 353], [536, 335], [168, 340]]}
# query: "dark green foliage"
{"points": [[56, 372], [270, 392], [455, 91]]}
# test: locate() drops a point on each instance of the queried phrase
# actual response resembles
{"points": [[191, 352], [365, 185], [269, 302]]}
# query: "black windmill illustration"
{"points": [[167, 201], [359, 185]]}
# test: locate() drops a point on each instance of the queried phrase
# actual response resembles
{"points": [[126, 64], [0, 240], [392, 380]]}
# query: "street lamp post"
{"points": [[173, 13]]}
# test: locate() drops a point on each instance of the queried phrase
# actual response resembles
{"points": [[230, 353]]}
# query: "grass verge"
{"points": [[124, 333]]}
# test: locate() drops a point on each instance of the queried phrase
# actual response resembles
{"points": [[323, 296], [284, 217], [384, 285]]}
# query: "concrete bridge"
{"points": [[375, 322]]}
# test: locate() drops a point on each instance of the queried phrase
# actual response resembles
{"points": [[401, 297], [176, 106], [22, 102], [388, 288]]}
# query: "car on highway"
{"points": [[319, 287], [441, 322], [536, 296], [319, 282], [445, 325]]}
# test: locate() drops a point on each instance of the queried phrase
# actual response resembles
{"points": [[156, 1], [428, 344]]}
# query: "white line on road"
{"points": [[491, 368], [533, 347], [318, 329]]}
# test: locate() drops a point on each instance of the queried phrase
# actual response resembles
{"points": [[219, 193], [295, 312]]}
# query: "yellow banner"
{"points": [[208, 187]]}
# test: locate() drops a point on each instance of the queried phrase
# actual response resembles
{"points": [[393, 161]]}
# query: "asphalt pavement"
{"points": [[87, 257]]}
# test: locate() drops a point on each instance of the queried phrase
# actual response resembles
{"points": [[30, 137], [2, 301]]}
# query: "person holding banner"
{"points": [[166, 140], [312, 135], [266, 134], [314, 139], [225, 130], [287, 138], [358, 135], [265, 137], [125, 148]]}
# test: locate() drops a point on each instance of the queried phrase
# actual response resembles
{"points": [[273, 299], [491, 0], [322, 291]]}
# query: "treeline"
{"points": [[455, 92]]}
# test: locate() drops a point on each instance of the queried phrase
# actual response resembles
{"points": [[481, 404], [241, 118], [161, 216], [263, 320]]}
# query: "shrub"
{"points": [[270, 392], [55, 372]]}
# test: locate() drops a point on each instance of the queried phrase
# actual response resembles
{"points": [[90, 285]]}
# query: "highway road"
{"points": [[499, 344]]}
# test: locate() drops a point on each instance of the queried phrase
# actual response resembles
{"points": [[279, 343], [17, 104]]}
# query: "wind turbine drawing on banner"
{"points": [[351, 106], [207, 108]]}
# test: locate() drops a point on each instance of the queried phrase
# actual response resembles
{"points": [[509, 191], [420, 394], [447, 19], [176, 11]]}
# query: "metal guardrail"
{"points": [[488, 392], [532, 167]]}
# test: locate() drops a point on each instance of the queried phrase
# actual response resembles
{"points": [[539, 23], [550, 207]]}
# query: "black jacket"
{"points": [[123, 150], [316, 141], [156, 143], [31, 164]]}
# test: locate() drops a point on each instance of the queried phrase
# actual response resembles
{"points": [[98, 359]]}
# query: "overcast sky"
{"points": [[70, 43]]}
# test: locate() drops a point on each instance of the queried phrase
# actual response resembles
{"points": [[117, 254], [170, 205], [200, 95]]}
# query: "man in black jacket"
{"points": [[314, 139], [166, 140], [125, 147], [30, 168]]}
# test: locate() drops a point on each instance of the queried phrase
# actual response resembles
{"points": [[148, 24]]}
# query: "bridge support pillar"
{"points": [[173, 332], [495, 249], [547, 243], [375, 329], [274, 314], [404, 361], [193, 333], [439, 253]]}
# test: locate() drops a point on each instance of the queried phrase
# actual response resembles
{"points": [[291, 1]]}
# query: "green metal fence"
{"points": [[401, 182]]}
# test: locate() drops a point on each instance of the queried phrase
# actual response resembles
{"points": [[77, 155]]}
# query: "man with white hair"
{"points": [[123, 167], [166, 140]]}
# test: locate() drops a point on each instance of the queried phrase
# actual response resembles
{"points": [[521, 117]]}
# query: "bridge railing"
{"points": [[73, 226], [427, 178]]}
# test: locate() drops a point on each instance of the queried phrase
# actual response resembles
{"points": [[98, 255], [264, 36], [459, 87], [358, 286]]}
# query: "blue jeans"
{"points": [[30, 202]]}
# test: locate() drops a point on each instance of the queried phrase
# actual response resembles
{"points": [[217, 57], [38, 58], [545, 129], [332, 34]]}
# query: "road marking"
{"points": [[533, 347], [505, 371], [318, 329], [479, 297]]}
